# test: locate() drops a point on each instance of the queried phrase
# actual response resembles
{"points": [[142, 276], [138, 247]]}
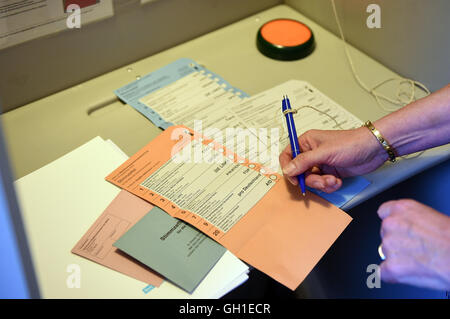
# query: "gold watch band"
{"points": [[387, 147]]}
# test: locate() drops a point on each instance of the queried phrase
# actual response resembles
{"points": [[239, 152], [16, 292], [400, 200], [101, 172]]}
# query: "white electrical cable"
{"points": [[399, 101]]}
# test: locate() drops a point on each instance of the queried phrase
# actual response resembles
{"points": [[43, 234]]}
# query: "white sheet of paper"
{"points": [[60, 201], [196, 98], [314, 111], [235, 283], [264, 110], [117, 148]]}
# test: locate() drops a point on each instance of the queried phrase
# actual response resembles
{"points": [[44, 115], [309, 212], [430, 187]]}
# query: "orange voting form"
{"points": [[254, 213], [97, 244]]}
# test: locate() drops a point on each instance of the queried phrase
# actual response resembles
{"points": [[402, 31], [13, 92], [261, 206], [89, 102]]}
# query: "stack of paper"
{"points": [[251, 211], [62, 200], [185, 93], [176, 250], [68, 204]]}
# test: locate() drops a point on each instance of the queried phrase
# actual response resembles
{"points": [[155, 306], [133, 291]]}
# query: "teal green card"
{"points": [[171, 247]]}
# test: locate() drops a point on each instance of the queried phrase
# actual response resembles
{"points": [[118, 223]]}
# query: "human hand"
{"points": [[329, 156], [416, 244]]}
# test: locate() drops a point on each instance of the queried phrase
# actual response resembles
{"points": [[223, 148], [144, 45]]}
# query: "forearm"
{"points": [[420, 125]]}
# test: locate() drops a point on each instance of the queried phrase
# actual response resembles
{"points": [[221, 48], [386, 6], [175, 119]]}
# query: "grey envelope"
{"points": [[172, 248]]}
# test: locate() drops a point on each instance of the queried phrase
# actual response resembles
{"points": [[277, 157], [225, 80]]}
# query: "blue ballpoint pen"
{"points": [[295, 147]]}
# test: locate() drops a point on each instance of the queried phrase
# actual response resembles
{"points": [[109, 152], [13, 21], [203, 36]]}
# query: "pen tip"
{"points": [[304, 194]]}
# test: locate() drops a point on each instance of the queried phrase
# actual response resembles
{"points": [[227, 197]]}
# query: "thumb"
{"points": [[302, 162]]}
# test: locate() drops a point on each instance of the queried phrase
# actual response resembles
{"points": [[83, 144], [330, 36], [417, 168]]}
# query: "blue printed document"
{"points": [[135, 93]]}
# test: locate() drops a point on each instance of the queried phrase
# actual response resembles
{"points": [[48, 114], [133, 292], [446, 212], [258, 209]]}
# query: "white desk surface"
{"points": [[44, 130]]}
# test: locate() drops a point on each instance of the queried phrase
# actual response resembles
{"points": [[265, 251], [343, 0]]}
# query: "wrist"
{"points": [[418, 126], [372, 145], [399, 135], [384, 143]]}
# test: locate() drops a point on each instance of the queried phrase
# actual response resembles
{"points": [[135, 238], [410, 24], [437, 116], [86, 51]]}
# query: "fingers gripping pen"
{"points": [[287, 111]]}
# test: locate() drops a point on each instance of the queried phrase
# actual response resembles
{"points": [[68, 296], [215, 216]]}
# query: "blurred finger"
{"points": [[315, 181], [386, 209], [386, 272], [333, 184], [292, 179], [325, 183], [390, 245]]}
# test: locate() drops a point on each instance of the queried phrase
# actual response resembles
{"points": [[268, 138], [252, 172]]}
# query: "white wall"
{"points": [[413, 39]]}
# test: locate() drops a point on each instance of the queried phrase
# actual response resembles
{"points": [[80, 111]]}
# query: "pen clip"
{"points": [[290, 111], [287, 106]]}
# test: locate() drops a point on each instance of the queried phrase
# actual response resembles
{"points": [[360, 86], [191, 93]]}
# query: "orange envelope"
{"points": [[254, 213], [97, 244]]}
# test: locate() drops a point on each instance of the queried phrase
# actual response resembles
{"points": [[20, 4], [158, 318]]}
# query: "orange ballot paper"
{"points": [[254, 213]]}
